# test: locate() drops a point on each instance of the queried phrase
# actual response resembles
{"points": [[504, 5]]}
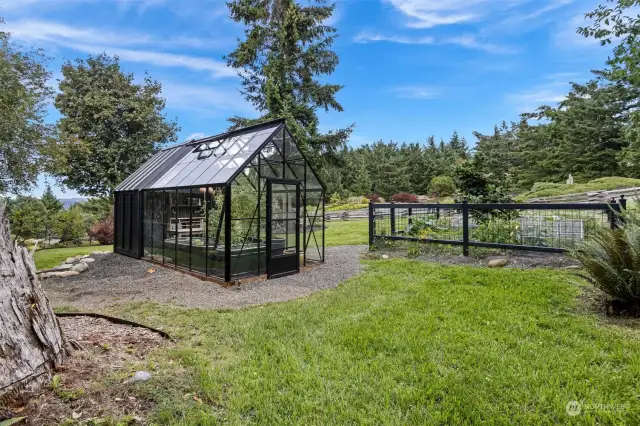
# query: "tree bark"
{"points": [[31, 340]]}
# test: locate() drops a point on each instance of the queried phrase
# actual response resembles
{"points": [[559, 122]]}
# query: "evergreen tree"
{"points": [[285, 50], [52, 206], [50, 201], [459, 145]]}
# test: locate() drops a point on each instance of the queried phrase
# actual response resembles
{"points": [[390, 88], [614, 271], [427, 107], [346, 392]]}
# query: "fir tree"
{"points": [[285, 50]]}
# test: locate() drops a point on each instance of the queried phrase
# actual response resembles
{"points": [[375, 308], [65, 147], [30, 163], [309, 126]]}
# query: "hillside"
{"points": [[549, 189]]}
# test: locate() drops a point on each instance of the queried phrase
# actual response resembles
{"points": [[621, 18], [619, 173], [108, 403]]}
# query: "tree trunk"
{"points": [[31, 340]]}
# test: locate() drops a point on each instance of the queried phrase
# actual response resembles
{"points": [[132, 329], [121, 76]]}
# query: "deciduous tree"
{"points": [[23, 98], [110, 125]]}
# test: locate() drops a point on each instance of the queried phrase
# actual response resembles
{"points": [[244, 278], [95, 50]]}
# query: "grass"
{"points": [[405, 342], [549, 189], [346, 232], [53, 257]]}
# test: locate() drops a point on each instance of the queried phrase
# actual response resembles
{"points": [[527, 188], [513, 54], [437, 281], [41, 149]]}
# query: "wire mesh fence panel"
{"points": [[535, 227]]}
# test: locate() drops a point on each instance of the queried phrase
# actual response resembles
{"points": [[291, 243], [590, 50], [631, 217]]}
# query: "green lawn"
{"points": [[405, 342], [346, 232], [49, 258]]}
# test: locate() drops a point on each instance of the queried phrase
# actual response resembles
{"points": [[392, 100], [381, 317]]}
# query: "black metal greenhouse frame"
{"points": [[130, 215]]}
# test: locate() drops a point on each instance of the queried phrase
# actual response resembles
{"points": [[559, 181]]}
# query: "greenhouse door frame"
{"points": [[280, 264]]}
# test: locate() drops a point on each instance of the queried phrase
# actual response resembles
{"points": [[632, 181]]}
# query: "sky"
{"points": [[410, 68]]}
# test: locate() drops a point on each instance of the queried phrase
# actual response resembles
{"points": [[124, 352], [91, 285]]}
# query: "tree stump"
{"points": [[31, 340]]}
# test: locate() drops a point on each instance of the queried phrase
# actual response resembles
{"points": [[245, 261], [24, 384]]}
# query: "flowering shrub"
{"points": [[373, 197], [404, 197], [102, 231]]}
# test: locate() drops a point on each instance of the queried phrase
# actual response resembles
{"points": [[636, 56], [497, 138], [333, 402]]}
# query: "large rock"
{"points": [[70, 259], [88, 260], [80, 267], [64, 267], [63, 274], [498, 263]]}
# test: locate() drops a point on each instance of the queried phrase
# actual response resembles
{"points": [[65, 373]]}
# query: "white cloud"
{"points": [[468, 41], [207, 99], [552, 90], [196, 63], [537, 12], [367, 37], [431, 13], [472, 42], [417, 92], [195, 136], [95, 41]]}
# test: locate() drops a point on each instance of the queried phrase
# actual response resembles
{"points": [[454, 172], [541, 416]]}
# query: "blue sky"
{"points": [[411, 68]]}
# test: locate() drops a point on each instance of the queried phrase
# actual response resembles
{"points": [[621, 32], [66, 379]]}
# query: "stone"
{"points": [[70, 260], [385, 257], [88, 260], [140, 376], [80, 267], [498, 263], [64, 274], [64, 267], [85, 256]]}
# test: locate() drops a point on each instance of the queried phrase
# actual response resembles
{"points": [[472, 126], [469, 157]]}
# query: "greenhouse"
{"points": [[241, 204]]}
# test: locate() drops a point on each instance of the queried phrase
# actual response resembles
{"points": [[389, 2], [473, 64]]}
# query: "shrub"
{"points": [[500, 231], [442, 186], [375, 198], [341, 207], [102, 231], [69, 225], [611, 258], [404, 197], [335, 198]]}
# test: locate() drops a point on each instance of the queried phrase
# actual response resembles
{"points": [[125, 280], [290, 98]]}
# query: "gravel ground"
{"points": [[114, 279]]}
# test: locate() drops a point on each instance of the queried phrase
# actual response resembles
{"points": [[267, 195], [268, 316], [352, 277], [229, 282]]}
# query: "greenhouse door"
{"points": [[283, 227]]}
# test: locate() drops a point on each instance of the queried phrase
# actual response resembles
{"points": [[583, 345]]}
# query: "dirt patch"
{"points": [[88, 387]]}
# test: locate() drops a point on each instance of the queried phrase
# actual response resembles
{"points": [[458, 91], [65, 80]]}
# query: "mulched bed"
{"points": [[517, 259], [80, 394]]}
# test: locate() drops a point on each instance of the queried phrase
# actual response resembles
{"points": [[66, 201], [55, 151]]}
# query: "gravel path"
{"points": [[114, 279]]}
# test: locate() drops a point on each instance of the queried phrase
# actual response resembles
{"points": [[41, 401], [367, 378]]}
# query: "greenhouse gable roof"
{"points": [[209, 161]]}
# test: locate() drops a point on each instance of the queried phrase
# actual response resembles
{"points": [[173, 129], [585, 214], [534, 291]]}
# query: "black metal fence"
{"points": [[515, 226]]}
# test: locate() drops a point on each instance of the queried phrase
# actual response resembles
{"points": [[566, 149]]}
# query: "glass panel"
{"points": [[181, 227], [198, 230], [147, 226], [170, 227], [215, 232], [244, 226], [156, 219], [292, 151], [313, 223]]}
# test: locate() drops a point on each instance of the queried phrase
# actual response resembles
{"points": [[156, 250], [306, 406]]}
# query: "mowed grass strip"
{"points": [[406, 342], [48, 258], [346, 232]]}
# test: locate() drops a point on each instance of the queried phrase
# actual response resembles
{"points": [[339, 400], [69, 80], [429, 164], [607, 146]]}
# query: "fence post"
{"points": [[372, 224], [393, 219], [437, 211], [465, 228], [623, 202], [614, 213]]}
